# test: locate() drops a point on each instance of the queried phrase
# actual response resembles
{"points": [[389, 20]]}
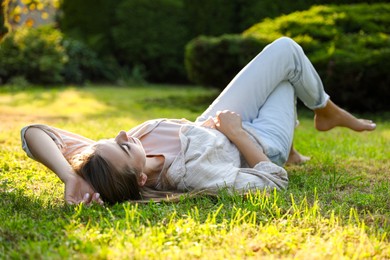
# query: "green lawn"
{"points": [[336, 207]]}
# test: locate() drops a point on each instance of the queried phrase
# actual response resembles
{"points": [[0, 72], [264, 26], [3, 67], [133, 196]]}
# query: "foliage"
{"points": [[151, 34], [336, 206], [131, 45], [44, 56], [82, 63], [205, 17], [218, 17], [89, 21], [35, 54], [250, 12], [348, 45], [3, 21], [213, 61]]}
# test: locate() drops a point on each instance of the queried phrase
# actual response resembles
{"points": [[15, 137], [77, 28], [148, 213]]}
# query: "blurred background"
{"points": [[203, 42]]}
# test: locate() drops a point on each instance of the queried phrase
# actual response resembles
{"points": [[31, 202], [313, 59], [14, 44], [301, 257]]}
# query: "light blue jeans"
{"points": [[264, 94]]}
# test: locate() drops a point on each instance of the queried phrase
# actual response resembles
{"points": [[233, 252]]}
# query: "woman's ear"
{"points": [[142, 179]]}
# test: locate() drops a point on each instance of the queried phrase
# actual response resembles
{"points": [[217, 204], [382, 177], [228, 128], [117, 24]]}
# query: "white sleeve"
{"points": [[265, 175]]}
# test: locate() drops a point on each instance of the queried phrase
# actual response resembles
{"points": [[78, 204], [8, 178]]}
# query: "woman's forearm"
{"points": [[230, 124], [252, 153], [44, 149]]}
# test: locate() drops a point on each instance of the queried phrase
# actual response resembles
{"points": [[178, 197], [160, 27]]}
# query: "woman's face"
{"points": [[123, 151]]}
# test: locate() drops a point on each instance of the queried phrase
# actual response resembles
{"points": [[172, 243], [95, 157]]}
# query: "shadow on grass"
{"points": [[26, 219]]}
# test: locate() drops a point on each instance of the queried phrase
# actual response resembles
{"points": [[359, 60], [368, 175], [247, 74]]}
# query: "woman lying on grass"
{"points": [[240, 142]]}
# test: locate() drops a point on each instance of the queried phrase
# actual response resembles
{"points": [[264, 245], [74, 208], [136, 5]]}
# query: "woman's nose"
{"points": [[122, 137]]}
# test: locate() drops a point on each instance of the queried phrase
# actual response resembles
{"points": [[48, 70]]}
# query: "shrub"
{"points": [[44, 56], [348, 45], [35, 54], [218, 17], [82, 63]]}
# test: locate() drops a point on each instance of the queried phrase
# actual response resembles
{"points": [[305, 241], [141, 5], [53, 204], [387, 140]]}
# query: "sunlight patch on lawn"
{"points": [[386, 135], [68, 103]]}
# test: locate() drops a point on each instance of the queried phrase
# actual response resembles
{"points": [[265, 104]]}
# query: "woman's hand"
{"points": [[229, 123], [77, 191]]}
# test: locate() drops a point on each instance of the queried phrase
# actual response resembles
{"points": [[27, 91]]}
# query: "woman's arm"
{"points": [[44, 149], [230, 124]]}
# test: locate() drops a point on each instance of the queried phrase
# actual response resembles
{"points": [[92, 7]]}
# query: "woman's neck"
{"points": [[153, 168]]}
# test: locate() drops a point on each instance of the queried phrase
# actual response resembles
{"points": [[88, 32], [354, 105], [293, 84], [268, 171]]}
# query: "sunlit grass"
{"points": [[336, 205]]}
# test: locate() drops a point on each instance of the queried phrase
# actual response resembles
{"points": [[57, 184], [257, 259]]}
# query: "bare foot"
{"points": [[296, 158], [331, 116]]}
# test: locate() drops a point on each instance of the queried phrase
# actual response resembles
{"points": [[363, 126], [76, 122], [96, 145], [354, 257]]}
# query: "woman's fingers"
{"points": [[229, 118], [87, 199], [97, 199], [229, 123]]}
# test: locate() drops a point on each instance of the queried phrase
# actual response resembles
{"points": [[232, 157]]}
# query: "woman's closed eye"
{"points": [[127, 146]]}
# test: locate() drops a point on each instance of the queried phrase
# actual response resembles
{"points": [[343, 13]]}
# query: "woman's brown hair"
{"points": [[113, 185], [116, 185]]}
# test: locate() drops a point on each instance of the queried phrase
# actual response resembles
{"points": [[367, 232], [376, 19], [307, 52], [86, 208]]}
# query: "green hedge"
{"points": [[217, 17], [250, 12], [213, 61], [349, 45]]}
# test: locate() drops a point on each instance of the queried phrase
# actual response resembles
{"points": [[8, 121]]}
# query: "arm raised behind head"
{"points": [[45, 151]]}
